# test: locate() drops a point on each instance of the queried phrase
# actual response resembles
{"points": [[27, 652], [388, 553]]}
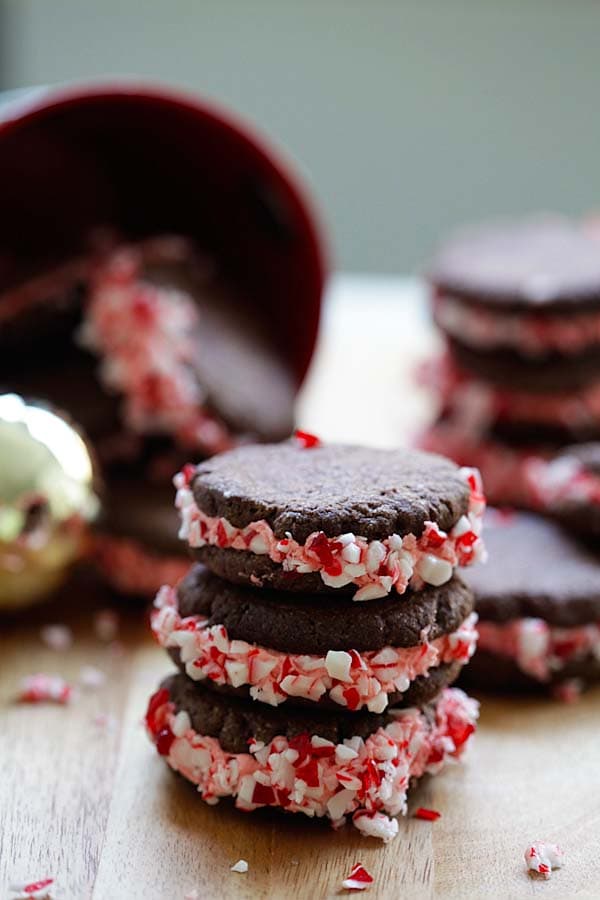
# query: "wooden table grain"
{"points": [[94, 807]]}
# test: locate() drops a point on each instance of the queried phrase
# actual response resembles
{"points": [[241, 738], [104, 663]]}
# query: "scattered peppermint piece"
{"points": [[91, 678], [306, 440], [568, 691], [430, 815], [192, 895], [106, 624], [358, 880], [57, 637], [105, 721], [240, 866], [542, 858], [375, 824], [42, 688], [34, 890]]}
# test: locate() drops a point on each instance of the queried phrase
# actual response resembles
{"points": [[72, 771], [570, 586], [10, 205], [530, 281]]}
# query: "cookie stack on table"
{"points": [[519, 307], [319, 632]]}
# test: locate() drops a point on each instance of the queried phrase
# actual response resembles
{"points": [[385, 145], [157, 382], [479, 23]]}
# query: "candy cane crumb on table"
{"points": [[542, 857], [359, 879]]}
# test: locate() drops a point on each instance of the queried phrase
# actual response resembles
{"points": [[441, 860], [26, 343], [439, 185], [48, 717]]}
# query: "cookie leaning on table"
{"points": [[324, 518]]}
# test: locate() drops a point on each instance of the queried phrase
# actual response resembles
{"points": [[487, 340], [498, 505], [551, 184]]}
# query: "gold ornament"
{"points": [[47, 500]]}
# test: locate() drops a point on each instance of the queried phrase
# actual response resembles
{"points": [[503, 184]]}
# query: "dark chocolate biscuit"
{"points": [[306, 625], [233, 722], [332, 488], [547, 264], [535, 569]]}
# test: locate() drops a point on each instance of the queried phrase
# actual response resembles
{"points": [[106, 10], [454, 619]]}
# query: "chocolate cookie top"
{"points": [[535, 569], [331, 488], [307, 625], [546, 262], [233, 722]]}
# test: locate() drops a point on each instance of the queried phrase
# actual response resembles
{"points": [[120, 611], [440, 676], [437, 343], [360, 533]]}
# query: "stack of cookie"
{"points": [[319, 632], [519, 307]]}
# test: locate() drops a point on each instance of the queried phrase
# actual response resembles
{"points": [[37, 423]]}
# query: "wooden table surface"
{"points": [[95, 808]]}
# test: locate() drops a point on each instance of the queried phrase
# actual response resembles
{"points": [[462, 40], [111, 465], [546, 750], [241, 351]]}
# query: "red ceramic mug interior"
{"points": [[151, 160]]}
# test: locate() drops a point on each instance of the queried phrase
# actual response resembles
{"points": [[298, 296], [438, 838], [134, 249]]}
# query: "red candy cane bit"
{"points": [[309, 773], [302, 744], [352, 698], [263, 794], [157, 700], [306, 440], [188, 472], [164, 741], [358, 880], [37, 885], [430, 815]]}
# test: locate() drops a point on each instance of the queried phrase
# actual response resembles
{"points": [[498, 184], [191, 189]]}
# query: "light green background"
{"points": [[406, 117]]}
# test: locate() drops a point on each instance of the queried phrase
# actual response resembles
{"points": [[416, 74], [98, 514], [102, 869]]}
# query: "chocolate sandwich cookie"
{"points": [[316, 763], [289, 648], [147, 344], [329, 517], [538, 600], [136, 548]]}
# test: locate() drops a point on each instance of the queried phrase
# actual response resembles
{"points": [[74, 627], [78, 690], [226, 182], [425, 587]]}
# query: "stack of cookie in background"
{"points": [[518, 389], [319, 632], [519, 308]]}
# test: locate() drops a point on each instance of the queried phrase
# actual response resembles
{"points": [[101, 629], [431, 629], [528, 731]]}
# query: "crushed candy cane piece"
{"points": [[192, 895], [33, 890], [57, 637], [430, 815], [568, 691], [42, 688], [105, 721], [306, 440], [375, 824], [358, 880], [91, 678], [240, 866], [106, 625], [542, 858]]}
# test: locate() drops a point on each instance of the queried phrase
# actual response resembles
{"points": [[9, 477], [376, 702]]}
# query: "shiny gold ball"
{"points": [[47, 500]]}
